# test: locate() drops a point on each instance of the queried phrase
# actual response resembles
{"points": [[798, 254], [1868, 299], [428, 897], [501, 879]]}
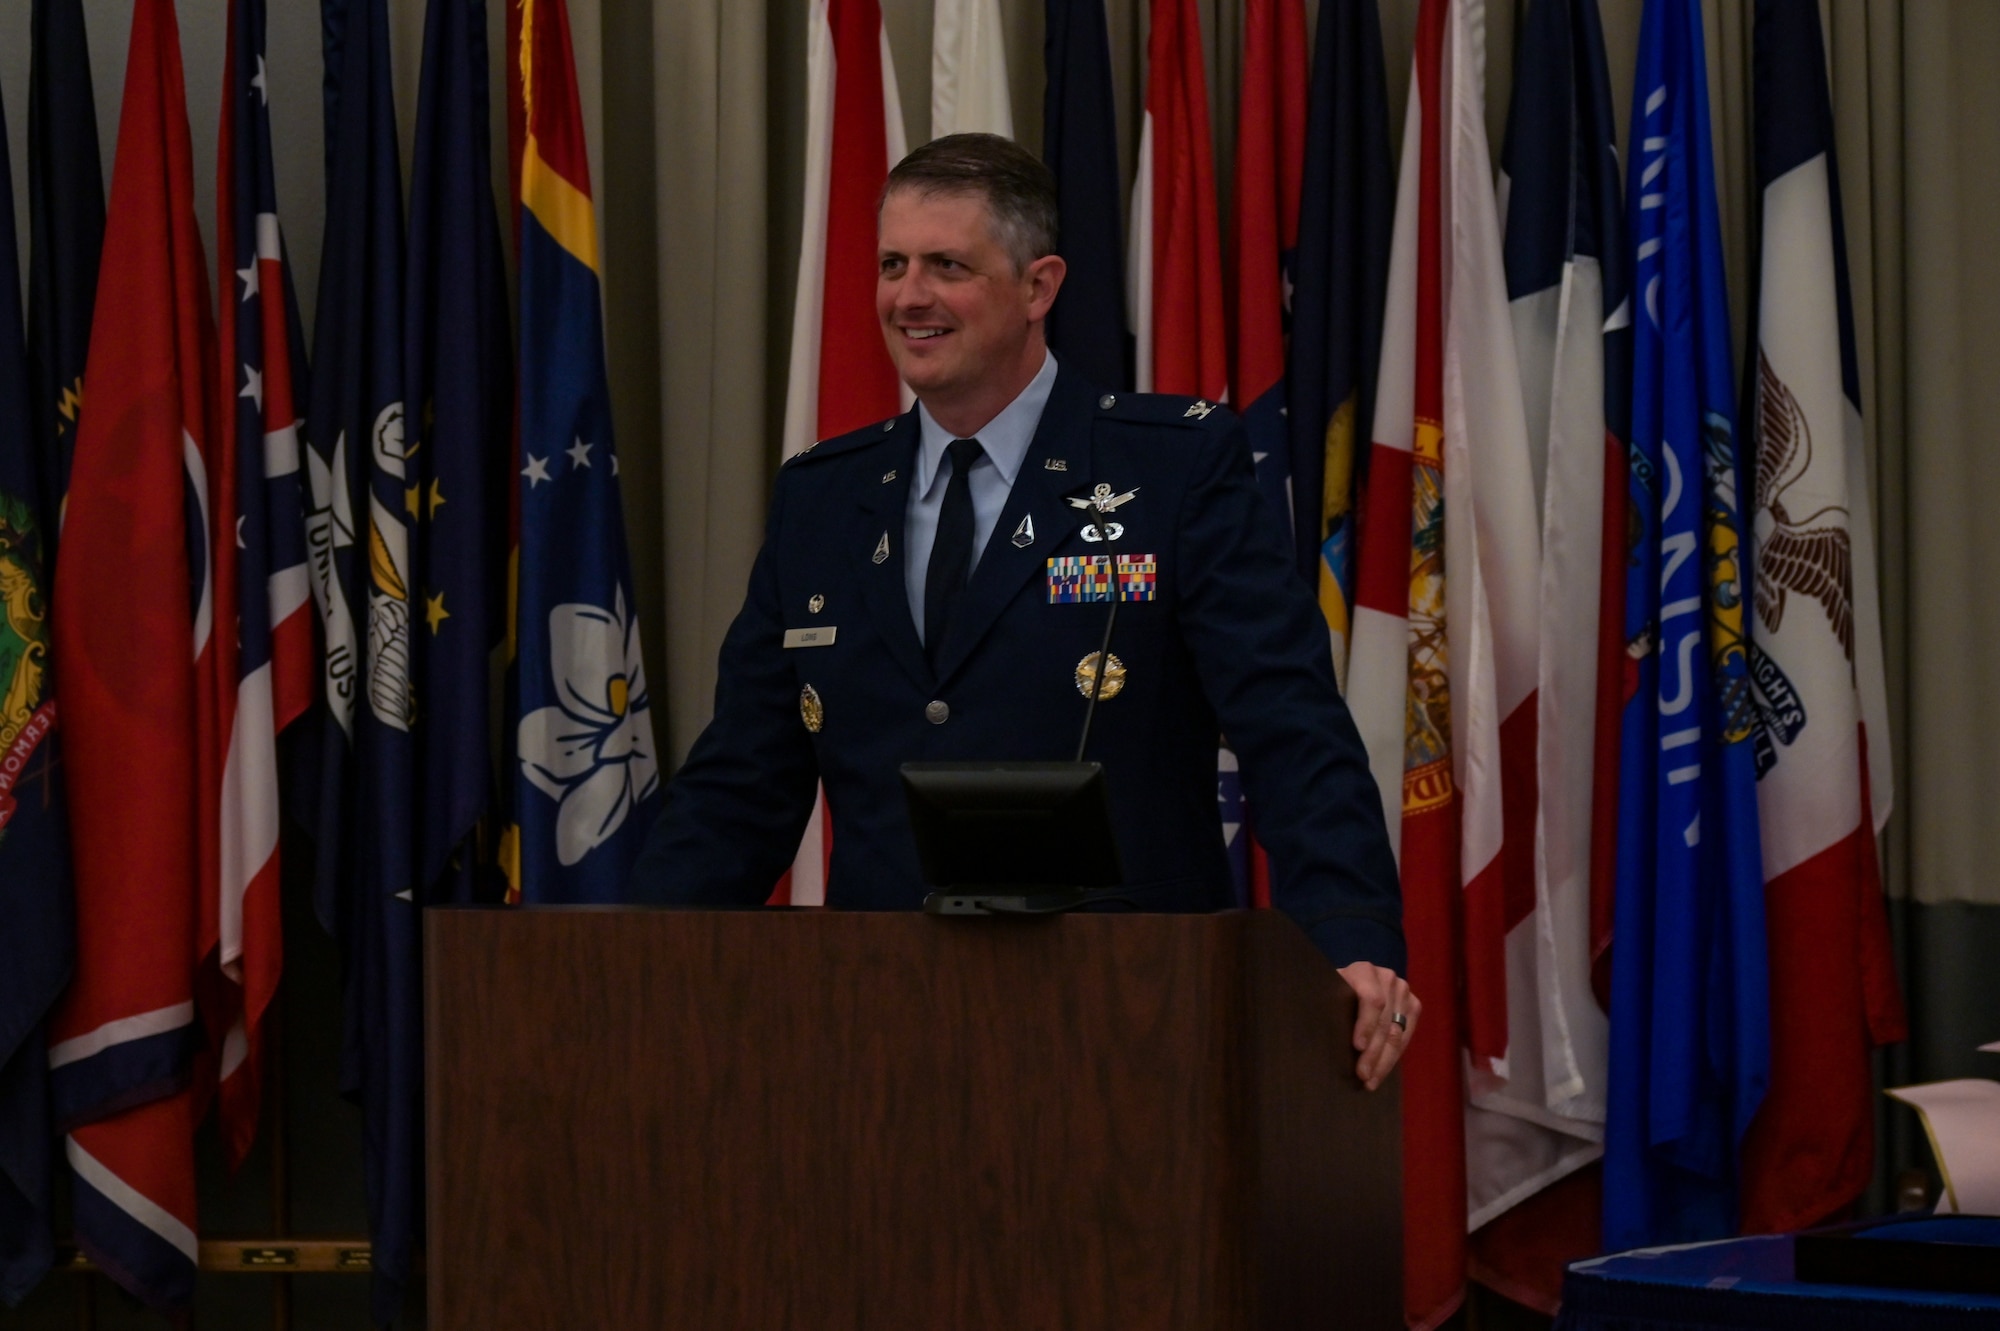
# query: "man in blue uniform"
{"points": [[933, 587]]}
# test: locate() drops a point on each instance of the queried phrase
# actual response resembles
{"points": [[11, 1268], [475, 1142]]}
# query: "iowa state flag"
{"points": [[258, 673], [1822, 743], [37, 925], [1690, 1033], [586, 784], [136, 608]]}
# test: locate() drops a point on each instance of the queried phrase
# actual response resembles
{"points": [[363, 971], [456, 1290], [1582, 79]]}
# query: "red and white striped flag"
{"points": [[1442, 680], [841, 375], [134, 610], [1176, 251], [257, 674]]}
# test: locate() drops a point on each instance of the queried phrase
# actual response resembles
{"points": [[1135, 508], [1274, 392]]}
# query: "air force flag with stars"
{"points": [[586, 782]]}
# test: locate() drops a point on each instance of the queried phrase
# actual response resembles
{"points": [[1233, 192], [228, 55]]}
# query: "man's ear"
{"points": [[1043, 278]]}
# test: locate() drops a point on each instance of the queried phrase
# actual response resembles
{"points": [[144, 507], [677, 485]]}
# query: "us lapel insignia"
{"points": [[813, 713], [888, 476], [1024, 535], [882, 549], [1055, 464]]}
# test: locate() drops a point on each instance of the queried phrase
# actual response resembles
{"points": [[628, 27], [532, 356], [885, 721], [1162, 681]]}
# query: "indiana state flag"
{"points": [[586, 782], [1690, 1019]]}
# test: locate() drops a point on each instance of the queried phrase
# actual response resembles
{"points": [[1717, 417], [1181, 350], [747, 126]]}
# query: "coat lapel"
{"points": [[883, 507], [1038, 495]]}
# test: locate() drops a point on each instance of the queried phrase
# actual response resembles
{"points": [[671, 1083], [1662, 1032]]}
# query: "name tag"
{"points": [[810, 637]]}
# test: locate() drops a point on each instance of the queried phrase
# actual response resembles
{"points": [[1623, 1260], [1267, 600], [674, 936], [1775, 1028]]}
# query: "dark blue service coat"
{"points": [[1228, 640]]}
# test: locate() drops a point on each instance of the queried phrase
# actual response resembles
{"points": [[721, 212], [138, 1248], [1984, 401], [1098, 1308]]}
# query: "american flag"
{"points": [[260, 677]]}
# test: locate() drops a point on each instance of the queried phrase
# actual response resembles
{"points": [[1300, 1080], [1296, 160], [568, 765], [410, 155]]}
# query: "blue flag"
{"points": [[1086, 327], [363, 477], [586, 781], [457, 364], [37, 924], [1690, 1022], [66, 231], [1340, 276]]}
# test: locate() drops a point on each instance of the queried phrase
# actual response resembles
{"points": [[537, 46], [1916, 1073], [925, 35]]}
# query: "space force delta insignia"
{"points": [[1075, 579]]}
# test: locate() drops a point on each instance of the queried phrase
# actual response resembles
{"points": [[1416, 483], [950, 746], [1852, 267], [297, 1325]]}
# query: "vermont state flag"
{"points": [[586, 781]]}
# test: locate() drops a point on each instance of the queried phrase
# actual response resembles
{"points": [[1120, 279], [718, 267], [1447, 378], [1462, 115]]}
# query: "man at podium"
{"points": [[935, 587]]}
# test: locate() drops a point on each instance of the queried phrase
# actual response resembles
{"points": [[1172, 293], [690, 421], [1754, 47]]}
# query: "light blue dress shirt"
{"points": [[1004, 441]]}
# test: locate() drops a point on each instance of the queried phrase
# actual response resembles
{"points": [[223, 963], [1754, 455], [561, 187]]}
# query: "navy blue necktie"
{"points": [[951, 548]]}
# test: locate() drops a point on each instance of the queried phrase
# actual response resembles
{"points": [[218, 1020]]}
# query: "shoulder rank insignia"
{"points": [[1199, 410], [1102, 500]]}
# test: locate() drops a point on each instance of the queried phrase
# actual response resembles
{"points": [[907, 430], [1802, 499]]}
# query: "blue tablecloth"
{"points": [[1748, 1284]]}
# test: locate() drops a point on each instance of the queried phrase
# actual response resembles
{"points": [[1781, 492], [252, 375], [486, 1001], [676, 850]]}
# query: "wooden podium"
{"points": [[806, 1119]]}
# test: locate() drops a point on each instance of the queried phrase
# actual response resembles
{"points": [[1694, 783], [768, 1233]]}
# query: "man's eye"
{"points": [[891, 265]]}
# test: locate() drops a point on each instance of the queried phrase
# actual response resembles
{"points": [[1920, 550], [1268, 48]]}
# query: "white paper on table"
{"points": [[1963, 1121], [1993, 1048]]}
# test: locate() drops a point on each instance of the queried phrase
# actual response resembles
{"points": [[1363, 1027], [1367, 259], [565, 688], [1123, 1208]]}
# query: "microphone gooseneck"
{"points": [[1100, 518]]}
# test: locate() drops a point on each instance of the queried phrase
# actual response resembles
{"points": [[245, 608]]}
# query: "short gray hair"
{"points": [[1019, 191]]}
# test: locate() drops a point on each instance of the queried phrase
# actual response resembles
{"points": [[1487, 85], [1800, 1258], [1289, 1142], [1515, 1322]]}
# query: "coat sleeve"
{"points": [[737, 808], [1262, 650]]}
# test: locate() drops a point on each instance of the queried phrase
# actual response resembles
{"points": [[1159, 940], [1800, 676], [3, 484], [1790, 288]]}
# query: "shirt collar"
{"points": [[1004, 439]]}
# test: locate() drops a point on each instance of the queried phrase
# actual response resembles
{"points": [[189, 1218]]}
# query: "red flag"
{"points": [[1176, 254], [1270, 161], [135, 609], [841, 376]]}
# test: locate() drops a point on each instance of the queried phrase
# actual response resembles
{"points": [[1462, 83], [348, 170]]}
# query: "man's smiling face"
{"points": [[955, 312]]}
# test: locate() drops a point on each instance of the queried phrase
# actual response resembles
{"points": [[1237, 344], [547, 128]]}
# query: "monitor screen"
{"points": [[1031, 826]]}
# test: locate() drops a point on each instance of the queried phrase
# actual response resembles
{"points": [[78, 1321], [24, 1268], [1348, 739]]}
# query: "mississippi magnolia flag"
{"points": [[1176, 253], [1567, 286], [841, 376], [358, 466], [66, 234], [1086, 326], [969, 70], [586, 782], [135, 610], [1443, 673], [1339, 281], [36, 913], [258, 672], [1822, 743], [1690, 1034]]}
